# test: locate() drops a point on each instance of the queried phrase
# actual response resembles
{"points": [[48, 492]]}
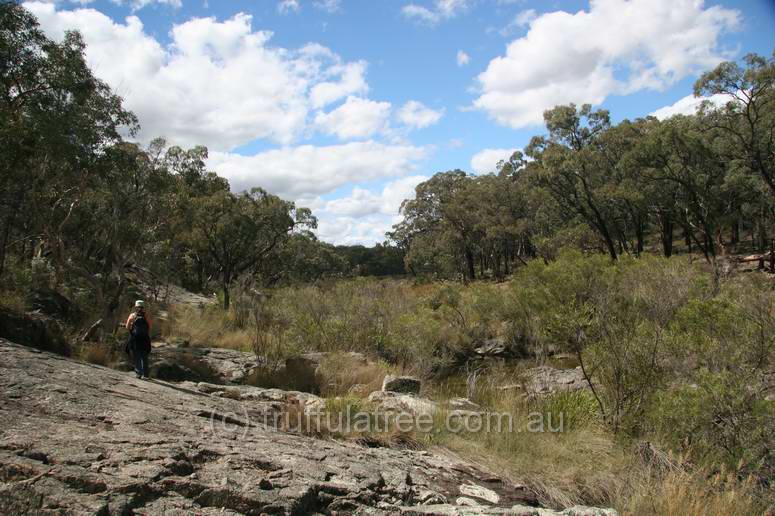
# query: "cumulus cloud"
{"points": [[485, 160], [439, 11], [364, 216], [616, 47], [288, 6], [356, 118], [218, 83], [416, 115], [307, 171], [362, 202], [345, 79], [689, 105], [462, 58], [367, 230]]}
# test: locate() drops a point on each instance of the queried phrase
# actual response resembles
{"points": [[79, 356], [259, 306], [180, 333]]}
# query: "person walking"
{"points": [[139, 345]]}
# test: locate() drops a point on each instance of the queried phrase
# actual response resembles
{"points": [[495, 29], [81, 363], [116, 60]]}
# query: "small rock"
{"points": [[492, 348], [476, 491], [465, 501], [402, 384]]}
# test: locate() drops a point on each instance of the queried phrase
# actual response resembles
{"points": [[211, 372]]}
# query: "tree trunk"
{"points": [[639, 230], [7, 227], [688, 239], [772, 255], [667, 235], [762, 232], [735, 237], [470, 264], [226, 296]]}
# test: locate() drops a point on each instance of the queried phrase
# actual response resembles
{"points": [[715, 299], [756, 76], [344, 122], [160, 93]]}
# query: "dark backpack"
{"points": [[140, 327]]}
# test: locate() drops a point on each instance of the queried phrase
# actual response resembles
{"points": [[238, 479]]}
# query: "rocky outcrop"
{"points": [[35, 330], [401, 384], [544, 380], [84, 439], [50, 302], [218, 365], [397, 402], [416, 406], [493, 348]]}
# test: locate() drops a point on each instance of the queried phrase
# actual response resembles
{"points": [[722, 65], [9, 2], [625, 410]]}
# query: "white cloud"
{"points": [[416, 115], [367, 230], [362, 202], [617, 47], [356, 118], [287, 6], [364, 216], [462, 58], [688, 105], [308, 171], [485, 160], [330, 6], [441, 10], [525, 17], [215, 83], [521, 20], [349, 79], [136, 5]]}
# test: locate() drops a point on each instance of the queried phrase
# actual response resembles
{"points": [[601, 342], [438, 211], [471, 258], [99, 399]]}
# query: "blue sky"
{"points": [[345, 105]]}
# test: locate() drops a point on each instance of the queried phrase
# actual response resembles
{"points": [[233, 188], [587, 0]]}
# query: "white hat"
{"points": [[139, 303]]}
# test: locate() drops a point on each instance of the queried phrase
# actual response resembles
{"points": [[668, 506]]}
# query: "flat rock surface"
{"points": [[78, 438]]}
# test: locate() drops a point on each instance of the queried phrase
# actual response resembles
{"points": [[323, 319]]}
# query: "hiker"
{"points": [[139, 344]]}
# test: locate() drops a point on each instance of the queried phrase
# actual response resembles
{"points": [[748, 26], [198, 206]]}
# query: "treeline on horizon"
{"points": [[704, 181], [82, 204]]}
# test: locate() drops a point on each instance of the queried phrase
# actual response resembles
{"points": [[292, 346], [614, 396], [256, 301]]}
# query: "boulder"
{"points": [[34, 330], [216, 365], [546, 380], [52, 303], [303, 371], [397, 402], [416, 406], [492, 348], [402, 384], [171, 371]]}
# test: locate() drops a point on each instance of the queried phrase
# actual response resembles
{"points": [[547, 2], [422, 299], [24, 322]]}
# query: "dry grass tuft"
{"points": [[342, 374], [96, 353], [207, 326]]}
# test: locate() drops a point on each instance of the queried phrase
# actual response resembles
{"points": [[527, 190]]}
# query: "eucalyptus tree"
{"points": [[440, 223], [572, 169], [56, 120], [748, 115], [239, 231], [680, 156]]}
